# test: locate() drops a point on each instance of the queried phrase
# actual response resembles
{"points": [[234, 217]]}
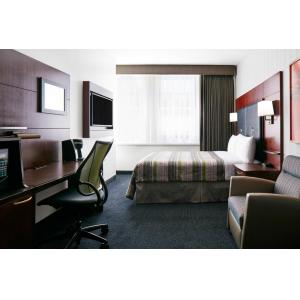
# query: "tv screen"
{"points": [[101, 111]]}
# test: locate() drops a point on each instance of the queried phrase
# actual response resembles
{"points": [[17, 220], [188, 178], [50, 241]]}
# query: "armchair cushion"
{"points": [[237, 206]]}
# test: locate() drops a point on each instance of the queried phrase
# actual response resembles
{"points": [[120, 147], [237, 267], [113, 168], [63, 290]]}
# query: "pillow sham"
{"points": [[231, 144], [245, 148]]}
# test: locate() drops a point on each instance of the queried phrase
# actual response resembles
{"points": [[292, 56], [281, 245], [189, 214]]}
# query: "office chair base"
{"points": [[85, 232], [102, 227]]}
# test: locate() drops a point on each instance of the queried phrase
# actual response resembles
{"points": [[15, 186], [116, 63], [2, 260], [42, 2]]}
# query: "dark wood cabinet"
{"points": [[17, 222], [256, 170]]}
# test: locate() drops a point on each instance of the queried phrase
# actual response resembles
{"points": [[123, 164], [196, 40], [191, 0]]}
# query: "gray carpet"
{"points": [[154, 226]]}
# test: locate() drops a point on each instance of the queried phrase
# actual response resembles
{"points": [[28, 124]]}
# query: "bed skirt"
{"points": [[181, 192]]}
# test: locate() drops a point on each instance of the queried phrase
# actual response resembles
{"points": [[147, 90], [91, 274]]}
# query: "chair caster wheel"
{"points": [[104, 229], [104, 246]]}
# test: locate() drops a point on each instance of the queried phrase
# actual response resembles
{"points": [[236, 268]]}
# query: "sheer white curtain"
{"points": [[157, 109]]}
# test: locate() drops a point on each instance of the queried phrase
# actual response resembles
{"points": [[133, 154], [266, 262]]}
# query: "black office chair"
{"points": [[88, 189]]}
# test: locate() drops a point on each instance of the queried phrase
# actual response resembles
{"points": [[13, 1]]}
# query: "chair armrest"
{"points": [[271, 221], [99, 198], [242, 185]]}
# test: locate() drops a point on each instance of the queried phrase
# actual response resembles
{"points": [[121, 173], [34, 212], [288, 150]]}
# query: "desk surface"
{"points": [[41, 178], [50, 174]]}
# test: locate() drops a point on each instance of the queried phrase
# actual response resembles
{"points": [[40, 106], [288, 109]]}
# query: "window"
{"points": [[158, 109]]}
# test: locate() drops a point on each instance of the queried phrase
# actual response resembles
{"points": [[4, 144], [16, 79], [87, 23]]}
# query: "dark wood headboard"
{"points": [[19, 95], [270, 146]]}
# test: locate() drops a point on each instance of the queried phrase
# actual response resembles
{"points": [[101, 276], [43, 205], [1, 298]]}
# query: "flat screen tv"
{"points": [[101, 111]]}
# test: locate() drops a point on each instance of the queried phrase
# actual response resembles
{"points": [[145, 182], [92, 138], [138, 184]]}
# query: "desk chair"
{"points": [[89, 189]]}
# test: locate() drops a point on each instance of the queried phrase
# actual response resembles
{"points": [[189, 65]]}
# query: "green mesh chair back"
{"points": [[90, 170]]}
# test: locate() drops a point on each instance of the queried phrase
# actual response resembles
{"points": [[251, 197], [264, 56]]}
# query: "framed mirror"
{"points": [[52, 97]]}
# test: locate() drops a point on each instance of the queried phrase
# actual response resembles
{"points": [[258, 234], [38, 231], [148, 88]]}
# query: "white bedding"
{"points": [[229, 160]]}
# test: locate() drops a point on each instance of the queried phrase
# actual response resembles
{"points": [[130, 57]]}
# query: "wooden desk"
{"points": [[17, 207], [51, 174]]}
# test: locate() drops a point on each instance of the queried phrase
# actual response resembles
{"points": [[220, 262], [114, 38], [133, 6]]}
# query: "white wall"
{"points": [[91, 65], [258, 66]]}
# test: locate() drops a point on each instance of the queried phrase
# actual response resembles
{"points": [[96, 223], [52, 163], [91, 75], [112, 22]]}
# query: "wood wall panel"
{"points": [[22, 71], [21, 108], [46, 151], [272, 135], [19, 95]]}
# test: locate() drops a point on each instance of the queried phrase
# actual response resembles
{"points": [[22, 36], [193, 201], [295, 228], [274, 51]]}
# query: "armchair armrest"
{"points": [[271, 221], [242, 185]]}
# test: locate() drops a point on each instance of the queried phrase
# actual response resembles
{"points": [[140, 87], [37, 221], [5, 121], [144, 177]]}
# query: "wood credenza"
{"points": [[17, 207], [17, 222]]}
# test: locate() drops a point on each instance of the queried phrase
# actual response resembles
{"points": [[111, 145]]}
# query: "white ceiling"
{"points": [[216, 56], [94, 57]]}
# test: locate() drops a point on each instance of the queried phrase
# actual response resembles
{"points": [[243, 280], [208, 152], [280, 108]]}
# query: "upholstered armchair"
{"points": [[266, 214]]}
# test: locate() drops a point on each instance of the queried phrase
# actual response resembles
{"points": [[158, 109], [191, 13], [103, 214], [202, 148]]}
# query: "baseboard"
{"points": [[110, 179], [123, 172]]}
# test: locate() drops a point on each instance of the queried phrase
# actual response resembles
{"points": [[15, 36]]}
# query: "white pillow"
{"points": [[231, 144], [245, 148]]}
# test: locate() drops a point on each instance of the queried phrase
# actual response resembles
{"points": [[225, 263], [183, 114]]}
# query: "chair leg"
{"points": [[102, 227], [93, 237], [76, 235]]}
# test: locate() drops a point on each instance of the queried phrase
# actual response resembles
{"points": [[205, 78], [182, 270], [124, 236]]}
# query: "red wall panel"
{"points": [[272, 136]]}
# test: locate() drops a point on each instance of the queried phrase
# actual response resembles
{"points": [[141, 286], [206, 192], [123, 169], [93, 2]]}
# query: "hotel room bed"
{"points": [[182, 176]]}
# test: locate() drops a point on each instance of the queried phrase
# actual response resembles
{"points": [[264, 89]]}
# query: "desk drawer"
{"points": [[17, 223]]}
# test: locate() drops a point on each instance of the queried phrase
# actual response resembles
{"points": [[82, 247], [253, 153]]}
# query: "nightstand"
{"points": [[256, 170]]}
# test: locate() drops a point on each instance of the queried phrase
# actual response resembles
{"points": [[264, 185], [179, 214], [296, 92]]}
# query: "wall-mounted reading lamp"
{"points": [[265, 109]]}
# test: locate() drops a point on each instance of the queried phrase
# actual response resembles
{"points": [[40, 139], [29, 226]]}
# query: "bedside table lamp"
{"points": [[265, 109], [233, 117]]}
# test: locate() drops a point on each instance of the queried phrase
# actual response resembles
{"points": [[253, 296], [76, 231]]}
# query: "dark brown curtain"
{"points": [[217, 101]]}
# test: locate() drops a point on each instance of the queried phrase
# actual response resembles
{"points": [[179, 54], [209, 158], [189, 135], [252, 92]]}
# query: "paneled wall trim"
{"points": [[177, 69], [272, 134], [19, 95]]}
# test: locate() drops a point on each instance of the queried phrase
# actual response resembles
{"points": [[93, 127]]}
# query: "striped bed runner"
{"points": [[174, 166]]}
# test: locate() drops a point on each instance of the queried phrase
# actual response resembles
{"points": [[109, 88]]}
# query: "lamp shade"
{"points": [[265, 108], [233, 117]]}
